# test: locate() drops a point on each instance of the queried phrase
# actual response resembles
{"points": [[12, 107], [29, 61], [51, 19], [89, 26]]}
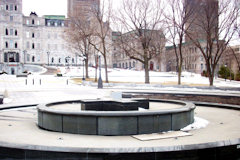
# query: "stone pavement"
{"points": [[17, 125]]}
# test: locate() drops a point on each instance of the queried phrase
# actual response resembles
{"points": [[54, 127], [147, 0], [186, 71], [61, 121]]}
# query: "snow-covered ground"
{"points": [[167, 78]]}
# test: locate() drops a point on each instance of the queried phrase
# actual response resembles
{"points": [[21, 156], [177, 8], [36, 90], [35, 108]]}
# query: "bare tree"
{"points": [[102, 31], [214, 25], [141, 22], [178, 21], [79, 35]]}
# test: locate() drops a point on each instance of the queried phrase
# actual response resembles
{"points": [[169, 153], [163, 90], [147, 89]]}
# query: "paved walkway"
{"points": [[17, 126]]}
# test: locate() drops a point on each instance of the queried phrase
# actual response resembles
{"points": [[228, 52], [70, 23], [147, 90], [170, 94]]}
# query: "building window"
{"points": [[38, 45], [49, 46], [72, 60], [28, 45], [52, 60], [33, 22], [48, 23], [6, 31], [16, 33], [33, 35], [27, 22], [11, 43], [11, 18], [5, 57], [28, 57], [11, 7], [33, 59], [15, 8], [27, 34], [59, 60], [7, 7], [38, 22], [6, 44], [11, 32], [33, 46], [55, 24], [16, 45]]}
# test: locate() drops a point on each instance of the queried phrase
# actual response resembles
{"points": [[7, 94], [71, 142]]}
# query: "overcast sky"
{"points": [[50, 7], [45, 7]]}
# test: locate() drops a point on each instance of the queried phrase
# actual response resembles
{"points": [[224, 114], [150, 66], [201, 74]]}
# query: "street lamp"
{"points": [[48, 53], [100, 83]]}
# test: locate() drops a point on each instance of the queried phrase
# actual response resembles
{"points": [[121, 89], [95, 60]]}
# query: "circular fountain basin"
{"points": [[115, 118]]}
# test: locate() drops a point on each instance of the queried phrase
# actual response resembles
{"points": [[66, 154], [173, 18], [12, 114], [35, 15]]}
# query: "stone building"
{"points": [[82, 6], [11, 29], [32, 39], [122, 60], [193, 60], [232, 58]]}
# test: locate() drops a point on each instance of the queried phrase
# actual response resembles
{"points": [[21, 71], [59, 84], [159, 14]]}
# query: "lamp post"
{"points": [[100, 83], [48, 53], [225, 72]]}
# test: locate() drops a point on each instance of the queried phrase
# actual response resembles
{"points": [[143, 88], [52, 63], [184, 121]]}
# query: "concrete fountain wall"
{"points": [[107, 121]]}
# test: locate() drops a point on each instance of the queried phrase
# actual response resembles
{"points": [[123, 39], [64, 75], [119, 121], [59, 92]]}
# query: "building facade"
{"points": [[121, 57], [33, 39], [11, 29], [82, 6]]}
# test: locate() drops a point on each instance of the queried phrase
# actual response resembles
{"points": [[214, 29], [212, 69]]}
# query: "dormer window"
{"points": [[15, 8], [33, 22], [33, 35], [7, 7]]}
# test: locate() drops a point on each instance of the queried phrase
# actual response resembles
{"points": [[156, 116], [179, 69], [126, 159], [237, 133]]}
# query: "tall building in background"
{"points": [[82, 6], [201, 13], [11, 36]]}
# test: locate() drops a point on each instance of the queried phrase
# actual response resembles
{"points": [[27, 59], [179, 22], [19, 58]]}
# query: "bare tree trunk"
{"points": [[106, 69], [179, 73], [86, 67], [96, 67], [147, 78]]}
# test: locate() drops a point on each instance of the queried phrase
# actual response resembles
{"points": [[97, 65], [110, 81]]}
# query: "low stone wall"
{"points": [[1, 99], [213, 98], [116, 123]]}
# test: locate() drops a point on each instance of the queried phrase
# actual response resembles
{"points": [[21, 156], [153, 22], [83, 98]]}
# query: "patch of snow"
{"points": [[7, 100], [198, 124]]}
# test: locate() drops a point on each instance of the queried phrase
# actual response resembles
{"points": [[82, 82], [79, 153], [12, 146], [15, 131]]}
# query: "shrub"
{"points": [[225, 73]]}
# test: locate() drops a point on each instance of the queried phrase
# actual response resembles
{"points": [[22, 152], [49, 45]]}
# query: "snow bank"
{"points": [[198, 124]]}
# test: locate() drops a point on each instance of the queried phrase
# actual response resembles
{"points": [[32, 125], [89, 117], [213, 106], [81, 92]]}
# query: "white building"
{"points": [[31, 39]]}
